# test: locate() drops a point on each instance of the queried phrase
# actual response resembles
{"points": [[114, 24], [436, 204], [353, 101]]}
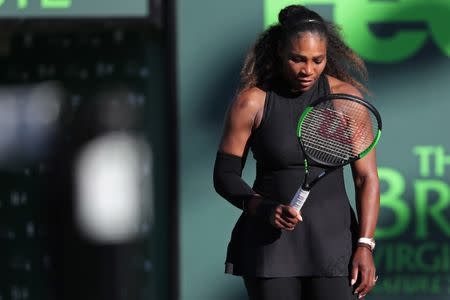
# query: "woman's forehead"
{"points": [[307, 41]]}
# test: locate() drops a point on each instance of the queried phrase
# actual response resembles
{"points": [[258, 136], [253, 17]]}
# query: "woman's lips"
{"points": [[306, 82]]}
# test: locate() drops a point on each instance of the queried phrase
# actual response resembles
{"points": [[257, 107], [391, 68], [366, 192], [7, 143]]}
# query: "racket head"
{"points": [[338, 129]]}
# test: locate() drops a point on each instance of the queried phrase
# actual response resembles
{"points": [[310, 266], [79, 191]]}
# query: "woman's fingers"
{"points": [[285, 217], [369, 283], [361, 290], [293, 213], [282, 224], [363, 271], [354, 274], [368, 280]]}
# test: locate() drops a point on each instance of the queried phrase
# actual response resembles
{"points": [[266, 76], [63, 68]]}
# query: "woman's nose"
{"points": [[307, 69]]}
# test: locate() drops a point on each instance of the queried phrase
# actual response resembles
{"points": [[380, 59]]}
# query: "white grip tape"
{"points": [[299, 199]]}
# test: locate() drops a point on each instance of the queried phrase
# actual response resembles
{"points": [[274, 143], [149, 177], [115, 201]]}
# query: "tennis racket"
{"points": [[333, 131]]}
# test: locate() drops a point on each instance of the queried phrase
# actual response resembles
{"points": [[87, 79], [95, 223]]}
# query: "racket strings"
{"points": [[323, 152], [324, 146], [362, 125], [338, 130], [315, 123], [364, 137], [323, 155]]}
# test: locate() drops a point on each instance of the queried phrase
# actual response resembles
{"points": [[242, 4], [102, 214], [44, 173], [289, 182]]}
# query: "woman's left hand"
{"points": [[363, 269]]}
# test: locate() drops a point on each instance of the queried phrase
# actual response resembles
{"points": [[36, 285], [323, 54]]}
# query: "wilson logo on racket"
{"points": [[340, 129]]}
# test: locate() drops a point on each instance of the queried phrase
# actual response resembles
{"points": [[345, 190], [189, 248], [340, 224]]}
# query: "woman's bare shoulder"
{"points": [[246, 108], [251, 98], [242, 118], [338, 86]]}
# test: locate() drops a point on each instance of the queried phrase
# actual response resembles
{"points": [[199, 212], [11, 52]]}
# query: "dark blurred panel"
{"points": [[109, 98]]}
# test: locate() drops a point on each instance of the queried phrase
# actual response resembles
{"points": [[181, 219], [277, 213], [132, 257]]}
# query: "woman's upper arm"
{"points": [[240, 120], [365, 169]]}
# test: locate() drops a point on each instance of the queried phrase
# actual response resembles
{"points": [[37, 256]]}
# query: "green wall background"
{"points": [[213, 37], [414, 100]]}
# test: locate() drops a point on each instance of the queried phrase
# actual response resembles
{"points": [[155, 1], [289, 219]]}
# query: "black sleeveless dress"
{"points": [[321, 245]]}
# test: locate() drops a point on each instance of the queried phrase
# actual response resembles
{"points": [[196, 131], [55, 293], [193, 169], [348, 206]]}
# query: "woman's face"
{"points": [[303, 60]]}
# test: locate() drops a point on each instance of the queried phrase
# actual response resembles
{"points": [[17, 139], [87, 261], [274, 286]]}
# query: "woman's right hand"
{"points": [[279, 215], [285, 217]]}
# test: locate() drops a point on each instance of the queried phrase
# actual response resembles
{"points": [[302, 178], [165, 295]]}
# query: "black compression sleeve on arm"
{"points": [[227, 179]]}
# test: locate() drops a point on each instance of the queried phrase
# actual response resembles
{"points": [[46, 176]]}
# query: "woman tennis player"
{"points": [[323, 251]]}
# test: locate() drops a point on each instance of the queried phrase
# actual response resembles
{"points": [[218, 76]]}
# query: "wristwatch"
{"points": [[367, 241]]}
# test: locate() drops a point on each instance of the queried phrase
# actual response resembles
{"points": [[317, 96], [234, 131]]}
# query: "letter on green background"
{"points": [[425, 154], [428, 251], [22, 4], [355, 16], [56, 3], [436, 211], [392, 199]]}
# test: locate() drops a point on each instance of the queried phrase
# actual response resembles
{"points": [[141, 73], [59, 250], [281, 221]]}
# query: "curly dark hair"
{"points": [[262, 62]]}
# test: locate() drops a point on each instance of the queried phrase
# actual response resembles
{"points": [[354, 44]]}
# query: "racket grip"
{"points": [[299, 199]]}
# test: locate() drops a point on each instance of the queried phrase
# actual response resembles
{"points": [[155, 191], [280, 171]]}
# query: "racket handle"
{"points": [[299, 199]]}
